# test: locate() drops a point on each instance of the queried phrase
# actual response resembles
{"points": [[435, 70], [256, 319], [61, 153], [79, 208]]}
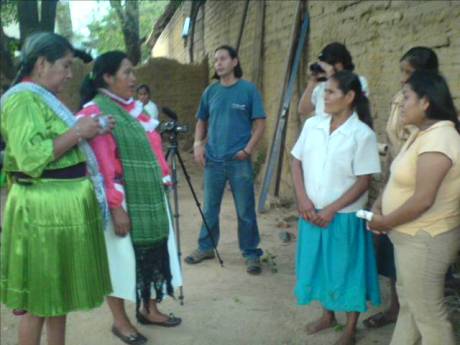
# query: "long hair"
{"points": [[349, 81], [237, 71], [49, 45], [421, 59], [434, 88], [107, 63], [337, 52]]}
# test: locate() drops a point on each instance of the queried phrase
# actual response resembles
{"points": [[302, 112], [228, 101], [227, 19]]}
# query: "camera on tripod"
{"points": [[172, 126]]}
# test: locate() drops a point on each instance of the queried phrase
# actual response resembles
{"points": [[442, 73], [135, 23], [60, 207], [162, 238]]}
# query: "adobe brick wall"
{"points": [[376, 32], [172, 84]]}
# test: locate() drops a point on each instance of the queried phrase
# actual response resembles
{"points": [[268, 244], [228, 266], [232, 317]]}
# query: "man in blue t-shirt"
{"points": [[230, 123]]}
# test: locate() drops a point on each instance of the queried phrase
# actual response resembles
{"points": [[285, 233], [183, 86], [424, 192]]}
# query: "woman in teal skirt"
{"points": [[334, 159], [53, 257]]}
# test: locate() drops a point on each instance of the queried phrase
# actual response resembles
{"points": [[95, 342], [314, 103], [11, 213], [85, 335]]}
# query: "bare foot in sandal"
{"points": [[323, 323]]}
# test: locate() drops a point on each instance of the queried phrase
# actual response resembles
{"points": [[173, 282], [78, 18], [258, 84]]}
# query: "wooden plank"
{"points": [[277, 143], [243, 21], [267, 179], [257, 52]]}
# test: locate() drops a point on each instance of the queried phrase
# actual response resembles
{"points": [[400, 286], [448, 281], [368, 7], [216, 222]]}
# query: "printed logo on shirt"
{"points": [[239, 106]]}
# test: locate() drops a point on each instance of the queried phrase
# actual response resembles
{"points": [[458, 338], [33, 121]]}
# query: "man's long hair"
{"points": [[237, 71]]}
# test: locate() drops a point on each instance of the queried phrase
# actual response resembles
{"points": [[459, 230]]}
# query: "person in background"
{"points": [[53, 256], [415, 59], [141, 247], [419, 209], [143, 95], [333, 58], [334, 160]]}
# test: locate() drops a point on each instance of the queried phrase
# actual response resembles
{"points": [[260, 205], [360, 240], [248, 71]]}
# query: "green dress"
{"points": [[53, 256]]}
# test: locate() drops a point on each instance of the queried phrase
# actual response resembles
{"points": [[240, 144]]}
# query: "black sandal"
{"points": [[132, 339], [378, 320], [172, 321]]}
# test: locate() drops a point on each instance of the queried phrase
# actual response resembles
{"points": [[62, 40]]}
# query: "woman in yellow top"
{"points": [[421, 204], [396, 134], [53, 256]]}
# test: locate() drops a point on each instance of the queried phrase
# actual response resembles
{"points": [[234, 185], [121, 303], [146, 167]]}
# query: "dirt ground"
{"points": [[223, 305]]}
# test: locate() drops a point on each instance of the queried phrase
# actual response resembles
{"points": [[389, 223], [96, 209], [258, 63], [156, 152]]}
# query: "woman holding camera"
{"points": [[53, 255], [141, 246], [333, 58]]}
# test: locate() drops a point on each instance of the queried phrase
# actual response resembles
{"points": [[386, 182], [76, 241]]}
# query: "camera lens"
{"points": [[316, 68]]}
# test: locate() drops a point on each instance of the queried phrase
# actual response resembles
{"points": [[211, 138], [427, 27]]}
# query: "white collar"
{"points": [[115, 97], [325, 124]]}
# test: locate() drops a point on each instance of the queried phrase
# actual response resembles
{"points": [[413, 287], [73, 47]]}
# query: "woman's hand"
{"points": [[106, 123], [87, 127], [378, 225], [325, 217], [121, 221], [329, 69], [306, 209], [242, 155]]}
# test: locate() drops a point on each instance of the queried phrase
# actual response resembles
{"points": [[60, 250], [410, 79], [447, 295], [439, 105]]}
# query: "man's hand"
{"points": [[242, 155], [198, 153], [121, 221]]}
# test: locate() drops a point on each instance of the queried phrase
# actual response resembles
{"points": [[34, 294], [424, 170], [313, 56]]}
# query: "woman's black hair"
{"points": [[49, 45], [107, 63], [337, 52], [349, 81], [143, 86], [422, 59], [434, 88], [238, 71]]}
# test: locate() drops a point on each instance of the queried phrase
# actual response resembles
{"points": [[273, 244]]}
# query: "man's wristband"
{"points": [[197, 143], [246, 152]]}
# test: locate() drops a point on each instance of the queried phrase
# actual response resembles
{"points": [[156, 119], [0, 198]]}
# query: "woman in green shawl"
{"points": [[140, 243]]}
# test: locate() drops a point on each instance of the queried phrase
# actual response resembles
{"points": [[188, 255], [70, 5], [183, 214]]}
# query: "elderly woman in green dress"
{"points": [[53, 254]]}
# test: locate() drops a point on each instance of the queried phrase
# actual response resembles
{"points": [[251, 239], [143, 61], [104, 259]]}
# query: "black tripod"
{"points": [[171, 155]]}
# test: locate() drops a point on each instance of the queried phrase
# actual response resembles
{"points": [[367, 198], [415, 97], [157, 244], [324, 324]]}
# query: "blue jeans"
{"points": [[240, 175]]}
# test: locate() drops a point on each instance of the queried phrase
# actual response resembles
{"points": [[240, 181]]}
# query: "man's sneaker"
{"points": [[253, 266], [197, 256]]}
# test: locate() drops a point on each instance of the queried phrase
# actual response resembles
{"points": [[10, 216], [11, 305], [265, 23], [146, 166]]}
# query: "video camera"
{"points": [[172, 126], [316, 69]]}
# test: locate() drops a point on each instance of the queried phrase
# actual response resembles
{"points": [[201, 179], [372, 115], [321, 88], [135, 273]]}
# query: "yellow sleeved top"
{"points": [[444, 214], [29, 127]]}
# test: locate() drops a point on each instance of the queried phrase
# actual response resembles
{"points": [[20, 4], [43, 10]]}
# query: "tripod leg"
{"points": [[175, 214], [189, 182]]}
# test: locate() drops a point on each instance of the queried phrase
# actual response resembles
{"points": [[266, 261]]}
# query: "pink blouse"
{"points": [[105, 149]]}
